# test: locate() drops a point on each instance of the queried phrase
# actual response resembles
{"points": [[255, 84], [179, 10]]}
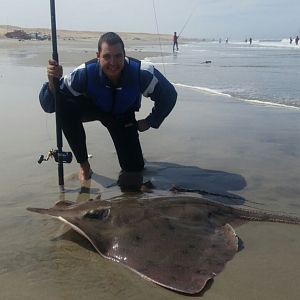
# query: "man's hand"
{"points": [[53, 71], [143, 125]]}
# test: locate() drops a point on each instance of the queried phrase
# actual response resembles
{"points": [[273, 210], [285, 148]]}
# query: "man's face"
{"points": [[111, 58]]}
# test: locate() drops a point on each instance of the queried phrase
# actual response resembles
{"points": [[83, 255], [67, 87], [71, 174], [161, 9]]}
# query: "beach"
{"points": [[211, 141]]}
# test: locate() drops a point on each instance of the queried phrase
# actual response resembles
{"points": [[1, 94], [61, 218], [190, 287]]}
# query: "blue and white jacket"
{"points": [[137, 79]]}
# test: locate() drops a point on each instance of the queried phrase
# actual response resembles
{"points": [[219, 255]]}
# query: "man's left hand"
{"points": [[143, 125]]}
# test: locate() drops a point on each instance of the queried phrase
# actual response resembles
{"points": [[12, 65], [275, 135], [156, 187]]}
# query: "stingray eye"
{"points": [[99, 214]]}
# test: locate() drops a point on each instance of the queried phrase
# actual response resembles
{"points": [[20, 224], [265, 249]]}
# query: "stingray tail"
{"points": [[269, 217], [38, 210]]}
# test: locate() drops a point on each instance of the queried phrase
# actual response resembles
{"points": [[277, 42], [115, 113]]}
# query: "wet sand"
{"points": [[209, 142]]}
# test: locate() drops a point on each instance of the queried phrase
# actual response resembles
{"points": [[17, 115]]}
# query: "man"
{"points": [[109, 88], [175, 41]]}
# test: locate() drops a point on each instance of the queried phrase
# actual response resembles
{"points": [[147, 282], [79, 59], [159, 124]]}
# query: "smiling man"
{"points": [[109, 89]]}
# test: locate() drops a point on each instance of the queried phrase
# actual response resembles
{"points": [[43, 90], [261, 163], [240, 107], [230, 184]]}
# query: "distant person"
{"points": [[246, 41], [297, 40], [175, 41], [250, 41], [227, 41], [109, 89], [291, 40]]}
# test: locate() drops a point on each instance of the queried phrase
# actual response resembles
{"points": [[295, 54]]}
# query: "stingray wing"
{"points": [[179, 253]]}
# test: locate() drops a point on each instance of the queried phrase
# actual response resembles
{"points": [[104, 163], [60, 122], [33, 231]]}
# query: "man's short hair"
{"points": [[111, 38]]}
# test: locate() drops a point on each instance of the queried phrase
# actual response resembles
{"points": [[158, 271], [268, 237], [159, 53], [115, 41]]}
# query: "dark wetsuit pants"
{"points": [[175, 44], [122, 129]]}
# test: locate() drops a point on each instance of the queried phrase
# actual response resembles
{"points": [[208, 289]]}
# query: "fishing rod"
{"points": [[59, 155], [188, 19], [158, 34]]}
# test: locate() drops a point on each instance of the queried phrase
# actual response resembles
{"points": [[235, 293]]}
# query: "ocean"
{"points": [[266, 72]]}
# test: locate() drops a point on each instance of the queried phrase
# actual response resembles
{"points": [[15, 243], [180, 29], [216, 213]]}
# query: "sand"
{"points": [[226, 146]]}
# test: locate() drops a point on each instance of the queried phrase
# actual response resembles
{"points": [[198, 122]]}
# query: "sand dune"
{"points": [[86, 34]]}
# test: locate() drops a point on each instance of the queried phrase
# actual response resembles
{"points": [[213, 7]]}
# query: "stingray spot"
{"points": [[184, 251], [137, 238], [99, 214], [171, 227], [192, 246]]}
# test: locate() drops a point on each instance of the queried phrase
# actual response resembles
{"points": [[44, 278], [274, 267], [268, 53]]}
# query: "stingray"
{"points": [[178, 242]]}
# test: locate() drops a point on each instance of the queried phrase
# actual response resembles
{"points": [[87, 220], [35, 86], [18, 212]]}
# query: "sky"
{"points": [[233, 19]]}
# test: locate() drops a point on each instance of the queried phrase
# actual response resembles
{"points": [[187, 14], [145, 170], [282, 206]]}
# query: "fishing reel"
{"points": [[59, 156]]}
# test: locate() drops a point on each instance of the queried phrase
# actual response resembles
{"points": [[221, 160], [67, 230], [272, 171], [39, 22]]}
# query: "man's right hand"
{"points": [[53, 71], [143, 125]]}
